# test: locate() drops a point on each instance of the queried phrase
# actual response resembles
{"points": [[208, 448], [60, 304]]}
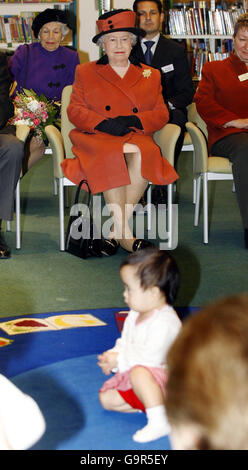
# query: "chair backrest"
{"points": [[202, 163], [193, 116], [166, 139], [66, 125]]}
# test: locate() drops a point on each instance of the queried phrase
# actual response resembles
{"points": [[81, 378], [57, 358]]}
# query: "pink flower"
{"points": [[25, 115], [44, 116], [36, 121]]}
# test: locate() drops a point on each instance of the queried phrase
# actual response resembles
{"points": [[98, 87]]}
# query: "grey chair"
{"points": [[206, 168]]}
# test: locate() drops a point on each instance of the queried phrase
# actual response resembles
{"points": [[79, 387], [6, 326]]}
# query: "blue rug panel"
{"points": [[67, 394]]}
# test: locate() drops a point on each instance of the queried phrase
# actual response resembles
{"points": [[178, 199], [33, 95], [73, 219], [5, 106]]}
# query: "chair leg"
{"points": [[8, 226], [61, 215], [194, 180], [194, 190], [205, 208], [55, 187], [18, 217], [197, 202], [149, 211], [169, 217]]}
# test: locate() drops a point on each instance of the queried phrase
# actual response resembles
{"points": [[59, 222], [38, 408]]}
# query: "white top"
{"points": [[21, 422], [147, 342]]}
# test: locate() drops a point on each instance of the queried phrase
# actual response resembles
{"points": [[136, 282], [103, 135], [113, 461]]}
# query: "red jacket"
{"points": [[99, 93], [222, 97]]}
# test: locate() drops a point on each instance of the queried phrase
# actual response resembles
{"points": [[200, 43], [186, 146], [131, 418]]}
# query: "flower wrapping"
{"points": [[35, 111]]}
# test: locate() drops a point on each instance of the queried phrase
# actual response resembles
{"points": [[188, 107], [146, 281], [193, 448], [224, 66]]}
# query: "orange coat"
{"points": [[99, 93]]}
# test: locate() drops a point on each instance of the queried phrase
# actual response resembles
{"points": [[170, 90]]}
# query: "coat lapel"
{"points": [[125, 84], [156, 60]]}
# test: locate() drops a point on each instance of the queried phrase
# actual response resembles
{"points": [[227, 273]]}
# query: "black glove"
{"points": [[130, 121], [113, 127]]}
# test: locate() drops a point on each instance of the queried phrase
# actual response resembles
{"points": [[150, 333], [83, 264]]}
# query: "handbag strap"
{"points": [[83, 182]]}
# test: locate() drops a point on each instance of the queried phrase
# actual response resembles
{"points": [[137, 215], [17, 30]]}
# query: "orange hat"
{"points": [[117, 20]]}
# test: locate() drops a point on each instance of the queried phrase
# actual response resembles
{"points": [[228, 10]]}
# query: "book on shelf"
{"points": [[47, 1], [201, 53], [17, 28], [202, 21], [36, 1]]}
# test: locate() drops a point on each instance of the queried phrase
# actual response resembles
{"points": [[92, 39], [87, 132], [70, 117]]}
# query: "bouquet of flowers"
{"points": [[36, 112]]}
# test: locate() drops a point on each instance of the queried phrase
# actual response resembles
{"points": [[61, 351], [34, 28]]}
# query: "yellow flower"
{"points": [[147, 73]]}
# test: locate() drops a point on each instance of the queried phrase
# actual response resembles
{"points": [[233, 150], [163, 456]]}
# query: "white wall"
{"points": [[86, 17]]}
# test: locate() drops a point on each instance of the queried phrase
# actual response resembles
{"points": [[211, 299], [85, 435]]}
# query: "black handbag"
{"points": [[82, 238]]}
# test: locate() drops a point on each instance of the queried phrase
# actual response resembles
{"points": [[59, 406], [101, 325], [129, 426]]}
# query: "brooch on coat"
{"points": [[147, 73]]}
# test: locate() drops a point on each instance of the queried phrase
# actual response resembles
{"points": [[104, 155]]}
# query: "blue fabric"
{"points": [[148, 52]]}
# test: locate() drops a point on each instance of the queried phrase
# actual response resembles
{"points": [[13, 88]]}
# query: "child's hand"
{"points": [[107, 361], [103, 363]]}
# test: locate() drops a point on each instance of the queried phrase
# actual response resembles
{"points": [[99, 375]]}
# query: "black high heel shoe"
{"points": [[109, 246], [140, 244]]}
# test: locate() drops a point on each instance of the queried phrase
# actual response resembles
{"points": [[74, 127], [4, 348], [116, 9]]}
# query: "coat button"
{"points": [[108, 108], [135, 110]]}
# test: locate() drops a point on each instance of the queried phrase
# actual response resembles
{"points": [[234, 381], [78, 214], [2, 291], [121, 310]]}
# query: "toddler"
{"points": [[151, 280]]}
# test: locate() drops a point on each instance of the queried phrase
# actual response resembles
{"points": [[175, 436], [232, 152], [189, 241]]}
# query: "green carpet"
{"points": [[39, 278]]}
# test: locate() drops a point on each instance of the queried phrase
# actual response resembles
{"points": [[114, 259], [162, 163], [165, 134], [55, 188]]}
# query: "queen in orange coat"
{"points": [[116, 106]]}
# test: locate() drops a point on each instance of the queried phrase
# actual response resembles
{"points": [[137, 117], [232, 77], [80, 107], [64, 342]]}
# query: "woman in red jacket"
{"points": [[222, 101], [116, 106]]}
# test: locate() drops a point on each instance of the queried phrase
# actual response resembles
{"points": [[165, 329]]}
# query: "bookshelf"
{"points": [[207, 29], [16, 18]]}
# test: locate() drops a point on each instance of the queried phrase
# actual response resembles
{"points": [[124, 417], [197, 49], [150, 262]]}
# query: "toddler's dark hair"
{"points": [[156, 268]]}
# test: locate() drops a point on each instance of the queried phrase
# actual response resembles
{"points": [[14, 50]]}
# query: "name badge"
{"points": [[167, 68], [243, 77]]}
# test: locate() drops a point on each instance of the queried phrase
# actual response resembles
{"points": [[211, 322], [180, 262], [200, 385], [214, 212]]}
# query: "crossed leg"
{"points": [[122, 200]]}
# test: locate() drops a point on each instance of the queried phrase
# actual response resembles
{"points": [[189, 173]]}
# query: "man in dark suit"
{"points": [[170, 58], [11, 154]]}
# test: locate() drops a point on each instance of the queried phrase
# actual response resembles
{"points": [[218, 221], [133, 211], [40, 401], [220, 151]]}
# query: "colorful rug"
{"points": [[42, 339], [53, 358]]}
